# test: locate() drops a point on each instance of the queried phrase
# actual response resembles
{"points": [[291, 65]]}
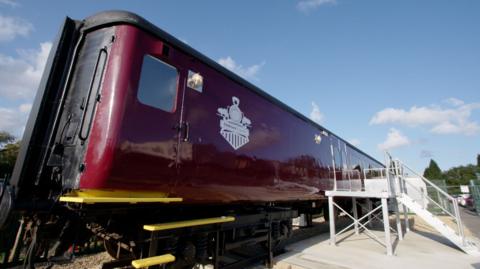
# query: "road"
{"points": [[471, 220]]}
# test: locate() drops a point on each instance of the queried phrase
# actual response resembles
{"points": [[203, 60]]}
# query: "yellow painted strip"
{"points": [[131, 200], [157, 260], [116, 193], [186, 223]]}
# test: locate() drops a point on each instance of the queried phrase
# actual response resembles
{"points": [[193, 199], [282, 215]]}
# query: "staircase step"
{"points": [[439, 225]]}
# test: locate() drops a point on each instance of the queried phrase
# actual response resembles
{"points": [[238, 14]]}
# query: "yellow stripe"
{"points": [[157, 260], [116, 193], [117, 196], [131, 200], [186, 223]]}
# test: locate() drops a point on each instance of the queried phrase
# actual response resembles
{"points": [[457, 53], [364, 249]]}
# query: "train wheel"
{"points": [[113, 250]]}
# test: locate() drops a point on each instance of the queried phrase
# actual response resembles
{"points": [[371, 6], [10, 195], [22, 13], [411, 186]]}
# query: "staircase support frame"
{"points": [[360, 226]]}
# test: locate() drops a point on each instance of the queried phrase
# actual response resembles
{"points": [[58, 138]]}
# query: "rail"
{"points": [[439, 202], [366, 179], [398, 179]]}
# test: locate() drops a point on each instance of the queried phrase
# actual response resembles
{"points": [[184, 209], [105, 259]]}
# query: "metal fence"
{"points": [[475, 192], [437, 197]]}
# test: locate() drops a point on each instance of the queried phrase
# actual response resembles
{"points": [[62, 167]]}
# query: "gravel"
{"points": [[91, 261]]}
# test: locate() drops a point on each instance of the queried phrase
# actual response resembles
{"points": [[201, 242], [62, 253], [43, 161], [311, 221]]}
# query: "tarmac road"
{"points": [[471, 220]]}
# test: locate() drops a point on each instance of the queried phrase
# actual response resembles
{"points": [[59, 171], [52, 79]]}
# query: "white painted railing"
{"points": [[440, 203], [398, 179]]}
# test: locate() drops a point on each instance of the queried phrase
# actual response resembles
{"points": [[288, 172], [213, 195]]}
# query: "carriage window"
{"points": [[158, 84]]}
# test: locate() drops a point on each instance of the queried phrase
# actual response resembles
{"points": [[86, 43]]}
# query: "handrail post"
{"points": [[349, 180], [389, 187], [397, 176], [403, 190], [364, 179], [459, 223], [334, 179]]}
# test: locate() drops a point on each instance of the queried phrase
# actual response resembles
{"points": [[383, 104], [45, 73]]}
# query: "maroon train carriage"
{"points": [[131, 126]]}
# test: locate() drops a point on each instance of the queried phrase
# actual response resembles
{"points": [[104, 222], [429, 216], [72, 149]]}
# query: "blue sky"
{"points": [[397, 75]]}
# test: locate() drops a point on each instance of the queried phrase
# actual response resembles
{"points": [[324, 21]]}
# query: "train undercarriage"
{"points": [[222, 236], [203, 238]]}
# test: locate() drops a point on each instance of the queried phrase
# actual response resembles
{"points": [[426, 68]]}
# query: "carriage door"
{"points": [[153, 123], [205, 155], [197, 146]]}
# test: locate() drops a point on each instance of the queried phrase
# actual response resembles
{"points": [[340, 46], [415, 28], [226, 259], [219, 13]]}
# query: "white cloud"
{"points": [[11, 27], [249, 72], [395, 139], [25, 108], [466, 128], [315, 114], [10, 3], [454, 101], [13, 119], [19, 78], [439, 120], [309, 5], [20, 75], [354, 141]]}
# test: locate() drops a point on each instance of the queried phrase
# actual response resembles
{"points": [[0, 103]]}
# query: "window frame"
{"points": [[177, 83]]}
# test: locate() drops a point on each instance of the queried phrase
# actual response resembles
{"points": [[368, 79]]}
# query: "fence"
{"points": [[475, 192]]}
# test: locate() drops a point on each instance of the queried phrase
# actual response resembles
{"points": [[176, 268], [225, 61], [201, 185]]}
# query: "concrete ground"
{"points": [[421, 248]]}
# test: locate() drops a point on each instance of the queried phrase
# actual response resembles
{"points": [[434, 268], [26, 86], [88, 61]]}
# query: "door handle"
{"points": [[186, 131]]}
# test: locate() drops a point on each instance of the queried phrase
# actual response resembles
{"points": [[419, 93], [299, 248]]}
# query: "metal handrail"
{"points": [[431, 200], [354, 174], [456, 210], [429, 182], [395, 173], [449, 197]]}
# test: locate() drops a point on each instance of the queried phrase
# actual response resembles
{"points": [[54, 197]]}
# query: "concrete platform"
{"points": [[420, 249]]}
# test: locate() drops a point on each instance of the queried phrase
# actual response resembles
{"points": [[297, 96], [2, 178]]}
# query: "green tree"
{"points": [[6, 138], [8, 153], [433, 171], [461, 175], [455, 176]]}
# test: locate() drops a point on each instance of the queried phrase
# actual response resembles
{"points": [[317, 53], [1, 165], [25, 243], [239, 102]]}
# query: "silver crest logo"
{"points": [[234, 125]]}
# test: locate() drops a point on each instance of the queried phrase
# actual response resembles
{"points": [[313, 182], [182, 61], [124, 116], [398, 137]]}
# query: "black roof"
{"points": [[116, 17]]}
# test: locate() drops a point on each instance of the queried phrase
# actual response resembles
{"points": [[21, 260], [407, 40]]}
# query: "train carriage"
{"points": [[130, 123]]}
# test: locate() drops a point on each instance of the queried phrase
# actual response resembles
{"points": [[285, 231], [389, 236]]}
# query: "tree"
{"points": [[461, 175], [8, 153], [6, 138], [455, 176], [433, 171]]}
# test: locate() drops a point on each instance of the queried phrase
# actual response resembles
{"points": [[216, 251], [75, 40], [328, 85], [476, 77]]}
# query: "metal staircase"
{"points": [[399, 184], [440, 226], [431, 203]]}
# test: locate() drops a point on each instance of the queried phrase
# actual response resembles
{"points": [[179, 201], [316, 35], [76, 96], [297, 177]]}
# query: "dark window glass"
{"points": [[158, 84]]}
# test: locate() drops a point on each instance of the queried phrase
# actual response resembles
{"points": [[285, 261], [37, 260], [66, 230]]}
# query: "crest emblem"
{"points": [[234, 126]]}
